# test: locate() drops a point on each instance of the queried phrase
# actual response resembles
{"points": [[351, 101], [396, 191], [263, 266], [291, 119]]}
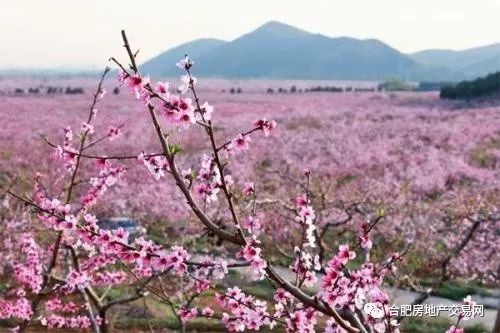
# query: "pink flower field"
{"points": [[407, 152], [389, 144], [426, 172]]}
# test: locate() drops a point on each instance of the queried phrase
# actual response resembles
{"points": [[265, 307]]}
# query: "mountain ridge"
{"points": [[476, 61], [278, 50]]}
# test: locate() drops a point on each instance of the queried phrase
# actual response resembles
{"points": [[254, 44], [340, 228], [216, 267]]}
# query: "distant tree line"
{"points": [[392, 85], [432, 85], [396, 85], [325, 89], [488, 86], [50, 90], [233, 90], [389, 85], [334, 89]]}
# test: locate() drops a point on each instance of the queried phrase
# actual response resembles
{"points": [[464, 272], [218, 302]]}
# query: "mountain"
{"points": [[164, 63], [277, 50], [472, 62], [281, 51]]}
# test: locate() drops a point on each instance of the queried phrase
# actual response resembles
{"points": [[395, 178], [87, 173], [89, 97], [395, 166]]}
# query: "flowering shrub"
{"points": [[85, 258]]}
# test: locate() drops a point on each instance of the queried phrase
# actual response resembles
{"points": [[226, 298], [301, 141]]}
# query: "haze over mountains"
{"points": [[472, 62], [277, 50]]}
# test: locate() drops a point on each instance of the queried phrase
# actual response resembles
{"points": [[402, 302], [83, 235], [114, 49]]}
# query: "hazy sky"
{"points": [[47, 33]]}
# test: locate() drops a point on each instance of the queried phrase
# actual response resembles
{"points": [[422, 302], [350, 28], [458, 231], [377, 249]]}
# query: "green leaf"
{"points": [[175, 149]]}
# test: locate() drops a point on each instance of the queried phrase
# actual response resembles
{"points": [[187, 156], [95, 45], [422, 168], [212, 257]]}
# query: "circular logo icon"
{"points": [[373, 309]]}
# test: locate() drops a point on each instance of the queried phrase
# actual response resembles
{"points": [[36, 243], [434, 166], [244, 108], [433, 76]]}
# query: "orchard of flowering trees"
{"points": [[63, 266]]}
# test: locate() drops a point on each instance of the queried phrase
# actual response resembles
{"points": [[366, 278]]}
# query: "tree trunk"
{"points": [[104, 325]]}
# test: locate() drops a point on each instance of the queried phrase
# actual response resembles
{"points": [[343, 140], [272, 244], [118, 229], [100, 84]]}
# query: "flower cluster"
{"points": [[265, 125], [60, 314], [306, 216], [29, 273], [178, 110], [138, 85], [305, 266], [252, 253], [209, 180], [19, 308], [73, 322], [240, 142], [468, 303], [175, 259], [108, 176], [353, 289], [157, 165], [246, 312], [67, 152]]}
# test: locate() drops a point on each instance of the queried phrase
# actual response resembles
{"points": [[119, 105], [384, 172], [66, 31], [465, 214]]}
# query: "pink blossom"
{"points": [[252, 224], [207, 111], [365, 242], [135, 82], [187, 82], [185, 63], [157, 165], [248, 188], [250, 252], [87, 128], [241, 142], [113, 132], [379, 327], [345, 254], [68, 135], [186, 315], [265, 125], [69, 223], [186, 118], [76, 279], [161, 88], [282, 296], [122, 76], [454, 329], [137, 85], [301, 200], [207, 312]]}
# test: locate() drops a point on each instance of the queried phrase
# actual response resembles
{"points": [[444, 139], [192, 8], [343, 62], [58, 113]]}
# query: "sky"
{"points": [[85, 33]]}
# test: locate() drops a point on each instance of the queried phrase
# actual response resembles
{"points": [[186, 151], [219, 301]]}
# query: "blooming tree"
{"points": [[64, 285]]}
